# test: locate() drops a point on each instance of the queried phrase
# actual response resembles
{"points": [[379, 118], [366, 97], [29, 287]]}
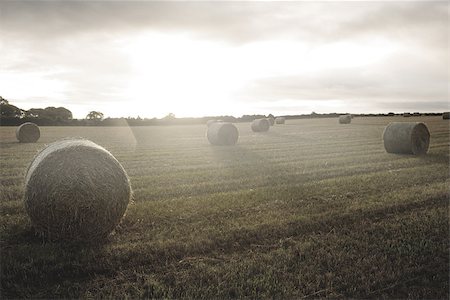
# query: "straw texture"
{"points": [[76, 190], [406, 138]]}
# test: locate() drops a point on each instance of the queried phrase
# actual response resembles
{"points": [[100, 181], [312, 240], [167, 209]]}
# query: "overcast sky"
{"points": [[149, 59]]}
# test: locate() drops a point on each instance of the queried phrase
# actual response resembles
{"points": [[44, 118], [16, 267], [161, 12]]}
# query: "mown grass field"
{"points": [[310, 209]]}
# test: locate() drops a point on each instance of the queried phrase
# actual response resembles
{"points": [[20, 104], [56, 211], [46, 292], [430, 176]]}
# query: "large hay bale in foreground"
{"points": [[76, 190], [280, 120], [222, 134], [345, 119], [406, 138], [28, 133], [260, 125], [446, 115]]}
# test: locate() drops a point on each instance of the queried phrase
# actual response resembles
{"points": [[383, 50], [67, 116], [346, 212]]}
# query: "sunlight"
{"points": [[177, 74], [36, 85]]}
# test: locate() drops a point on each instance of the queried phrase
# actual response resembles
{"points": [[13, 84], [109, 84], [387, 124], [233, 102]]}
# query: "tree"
{"points": [[3, 100], [52, 113], [170, 116], [9, 110], [58, 113], [95, 115], [35, 113]]}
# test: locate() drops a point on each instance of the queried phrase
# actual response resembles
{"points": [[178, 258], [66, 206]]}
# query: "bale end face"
{"points": [[75, 190], [222, 134], [28, 133], [406, 138]]}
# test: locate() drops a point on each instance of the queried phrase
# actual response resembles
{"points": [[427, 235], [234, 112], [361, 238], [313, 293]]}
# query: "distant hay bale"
{"points": [[28, 133], [76, 190], [260, 125], [271, 121], [406, 138], [222, 134], [209, 122], [345, 119], [446, 115], [406, 115], [280, 120]]}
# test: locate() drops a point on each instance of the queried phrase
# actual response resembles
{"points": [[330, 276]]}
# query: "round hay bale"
{"points": [[209, 122], [271, 121], [222, 134], [406, 115], [345, 119], [76, 190], [260, 125], [446, 115], [280, 120], [28, 133], [406, 138]]}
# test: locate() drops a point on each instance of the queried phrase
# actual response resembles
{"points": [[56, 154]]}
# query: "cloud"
{"points": [[238, 22], [79, 44], [401, 81]]}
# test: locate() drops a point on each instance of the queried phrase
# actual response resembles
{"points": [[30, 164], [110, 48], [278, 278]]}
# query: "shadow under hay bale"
{"points": [[222, 134], [446, 115], [406, 138], [28, 133], [75, 190], [260, 125], [280, 120], [345, 119]]}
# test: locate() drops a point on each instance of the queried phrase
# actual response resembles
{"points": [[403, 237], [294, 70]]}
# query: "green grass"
{"points": [[309, 209]]}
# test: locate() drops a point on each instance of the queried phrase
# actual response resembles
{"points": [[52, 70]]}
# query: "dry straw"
{"points": [[222, 134], [28, 133], [280, 120], [76, 190], [260, 125], [446, 115], [406, 138], [345, 119]]}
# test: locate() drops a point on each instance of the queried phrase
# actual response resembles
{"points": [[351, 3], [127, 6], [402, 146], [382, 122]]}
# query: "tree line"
{"points": [[11, 115]]}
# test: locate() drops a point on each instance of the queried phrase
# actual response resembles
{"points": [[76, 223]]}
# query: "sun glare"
{"points": [[174, 73]]}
